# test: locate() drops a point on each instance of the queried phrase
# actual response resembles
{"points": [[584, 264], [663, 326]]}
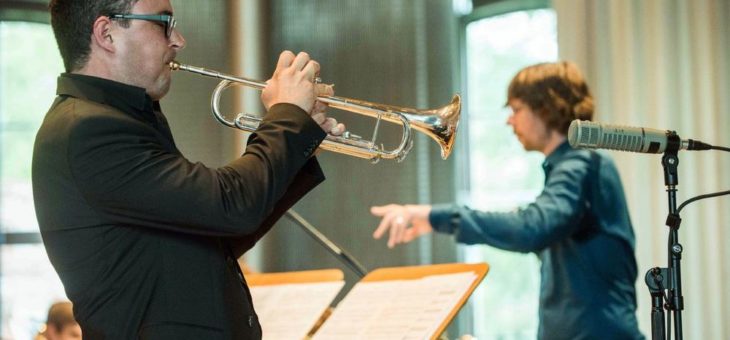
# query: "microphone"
{"points": [[592, 135]]}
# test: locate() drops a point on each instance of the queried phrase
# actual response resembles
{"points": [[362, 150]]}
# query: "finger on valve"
{"points": [[332, 127], [338, 130]]}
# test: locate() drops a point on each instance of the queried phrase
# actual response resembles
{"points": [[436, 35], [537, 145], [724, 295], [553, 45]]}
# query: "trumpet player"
{"points": [[145, 241]]}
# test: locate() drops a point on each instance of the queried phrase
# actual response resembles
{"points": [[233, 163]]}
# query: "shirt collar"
{"points": [[126, 98], [555, 156]]}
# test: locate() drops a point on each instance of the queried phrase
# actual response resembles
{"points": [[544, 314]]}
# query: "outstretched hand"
{"points": [[403, 222]]}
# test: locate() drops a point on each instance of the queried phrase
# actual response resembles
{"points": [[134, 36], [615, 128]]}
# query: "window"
{"points": [[502, 176], [29, 65]]}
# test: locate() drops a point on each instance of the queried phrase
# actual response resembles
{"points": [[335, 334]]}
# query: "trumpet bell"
{"points": [[440, 124]]}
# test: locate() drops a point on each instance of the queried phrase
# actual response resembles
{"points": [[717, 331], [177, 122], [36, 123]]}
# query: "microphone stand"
{"points": [[340, 254], [660, 279]]}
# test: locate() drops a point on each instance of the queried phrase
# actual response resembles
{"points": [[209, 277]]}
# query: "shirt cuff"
{"points": [[444, 218]]}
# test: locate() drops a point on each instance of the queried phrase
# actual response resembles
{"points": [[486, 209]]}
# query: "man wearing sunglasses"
{"points": [[145, 241]]}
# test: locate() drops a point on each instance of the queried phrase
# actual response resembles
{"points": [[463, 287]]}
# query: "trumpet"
{"points": [[439, 124]]}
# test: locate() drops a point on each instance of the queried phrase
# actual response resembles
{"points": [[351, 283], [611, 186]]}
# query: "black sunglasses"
{"points": [[168, 20]]}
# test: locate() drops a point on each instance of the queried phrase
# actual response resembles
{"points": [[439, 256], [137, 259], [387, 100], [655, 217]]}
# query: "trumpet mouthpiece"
{"points": [[174, 65]]}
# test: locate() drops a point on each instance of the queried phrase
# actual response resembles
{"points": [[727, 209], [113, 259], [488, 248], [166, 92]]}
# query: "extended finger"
{"points": [[381, 210], [404, 230], [382, 227], [396, 229]]}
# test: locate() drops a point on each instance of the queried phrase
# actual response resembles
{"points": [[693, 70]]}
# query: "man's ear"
{"points": [[101, 34]]}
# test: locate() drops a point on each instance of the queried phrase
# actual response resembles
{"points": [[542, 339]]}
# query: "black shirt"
{"points": [[144, 240]]}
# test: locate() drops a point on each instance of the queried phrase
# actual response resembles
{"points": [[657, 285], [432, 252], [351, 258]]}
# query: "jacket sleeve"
{"points": [[555, 214], [309, 177], [125, 171]]}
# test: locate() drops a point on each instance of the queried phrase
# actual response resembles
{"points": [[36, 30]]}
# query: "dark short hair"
{"points": [[72, 22], [556, 92]]}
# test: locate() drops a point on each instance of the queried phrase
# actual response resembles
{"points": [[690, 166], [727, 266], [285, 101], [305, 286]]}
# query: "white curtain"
{"points": [[666, 64]]}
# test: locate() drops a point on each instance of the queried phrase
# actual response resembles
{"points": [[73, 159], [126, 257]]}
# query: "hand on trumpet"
{"points": [[319, 115], [294, 82], [404, 222]]}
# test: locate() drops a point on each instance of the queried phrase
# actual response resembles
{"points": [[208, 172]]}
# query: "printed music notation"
{"points": [[398, 309]]}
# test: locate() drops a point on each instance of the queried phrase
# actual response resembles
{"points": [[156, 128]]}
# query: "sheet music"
{"points": [[289, 311], [398, 309]]}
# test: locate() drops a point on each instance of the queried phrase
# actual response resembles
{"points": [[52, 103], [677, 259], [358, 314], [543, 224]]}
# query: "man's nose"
{"points": [[177, 41]]}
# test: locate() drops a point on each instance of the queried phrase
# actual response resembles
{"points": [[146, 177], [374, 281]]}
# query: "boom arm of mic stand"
{"points": [[340, 254]]}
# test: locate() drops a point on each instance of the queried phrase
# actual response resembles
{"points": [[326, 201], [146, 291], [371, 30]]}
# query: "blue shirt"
{"points": [[579, 227]]}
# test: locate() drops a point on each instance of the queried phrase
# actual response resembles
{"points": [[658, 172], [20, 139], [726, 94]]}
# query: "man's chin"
{"points": [[160, 91]]}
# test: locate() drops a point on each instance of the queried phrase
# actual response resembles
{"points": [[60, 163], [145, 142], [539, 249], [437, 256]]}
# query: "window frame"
{"points": [[35, 11], [490, 8], [30, 11], [484, 9]]}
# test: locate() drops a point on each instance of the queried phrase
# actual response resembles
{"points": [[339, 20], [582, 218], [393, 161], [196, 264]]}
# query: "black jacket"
{"points": [[145, 241]]}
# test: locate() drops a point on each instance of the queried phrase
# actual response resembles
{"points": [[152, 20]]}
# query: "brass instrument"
{"points": [[440, 124]]}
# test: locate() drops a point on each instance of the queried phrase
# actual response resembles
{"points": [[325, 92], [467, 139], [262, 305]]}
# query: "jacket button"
{"points": [[250, 321]]}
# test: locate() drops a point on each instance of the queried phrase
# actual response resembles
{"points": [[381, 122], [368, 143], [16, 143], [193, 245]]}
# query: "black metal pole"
{"points": [[655, 279], [339, 253], [675, 302]]}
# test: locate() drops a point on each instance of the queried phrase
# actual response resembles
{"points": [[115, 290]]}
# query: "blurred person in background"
{"points": [[579, 225], [60, 323]]}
